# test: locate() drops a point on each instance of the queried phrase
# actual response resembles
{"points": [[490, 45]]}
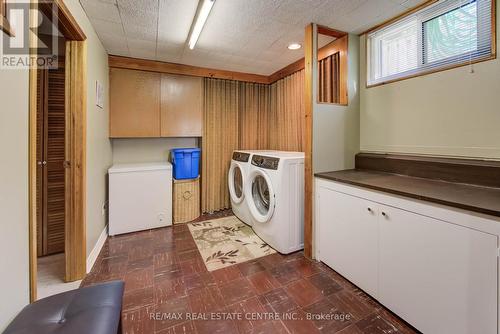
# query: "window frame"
{"points": [[425, 17]]}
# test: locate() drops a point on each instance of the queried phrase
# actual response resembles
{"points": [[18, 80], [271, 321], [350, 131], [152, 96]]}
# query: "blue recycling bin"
{"points": [[186, 163]]}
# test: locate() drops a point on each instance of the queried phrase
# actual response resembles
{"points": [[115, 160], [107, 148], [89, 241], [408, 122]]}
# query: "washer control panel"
{"points": [[241, 156], [265, 162]]}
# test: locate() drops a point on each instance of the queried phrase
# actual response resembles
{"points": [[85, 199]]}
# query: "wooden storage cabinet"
{"points": [[186, 200], [149, 104], [134, 103], [181, 106], [439, 276]]}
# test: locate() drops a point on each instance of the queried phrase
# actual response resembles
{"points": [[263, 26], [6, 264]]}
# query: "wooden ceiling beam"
{"points": [[172, 68]]}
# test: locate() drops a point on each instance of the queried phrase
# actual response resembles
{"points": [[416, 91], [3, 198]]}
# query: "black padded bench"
{"points": [[92, 310]]}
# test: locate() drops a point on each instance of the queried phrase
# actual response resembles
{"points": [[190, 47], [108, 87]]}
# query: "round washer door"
{"points": [[236, 182], [260, 195]]}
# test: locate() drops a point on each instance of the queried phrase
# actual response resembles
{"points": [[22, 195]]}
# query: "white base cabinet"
{"points": [[435, 267], [349, 237]]}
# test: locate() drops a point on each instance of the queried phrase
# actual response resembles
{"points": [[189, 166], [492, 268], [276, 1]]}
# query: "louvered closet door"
{"points": [[55, 190], [50, 158]]}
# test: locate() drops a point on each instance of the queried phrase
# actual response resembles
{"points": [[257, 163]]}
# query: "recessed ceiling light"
{"points": [[294, 46]]}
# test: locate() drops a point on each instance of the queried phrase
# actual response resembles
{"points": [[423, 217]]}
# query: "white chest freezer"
{"points": [[140, 197]]}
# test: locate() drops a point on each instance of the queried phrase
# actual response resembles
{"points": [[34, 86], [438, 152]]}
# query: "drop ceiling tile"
{"points": [[141, 44], [399, 2], [328, 13], [135, 17], [109, 27], [175, 19], [113, 41], [412, 3], [169, 52], [139, 24], [145, 33], [101, 10], [371, 10], [288, 9], [143, 54], [118, 52], [142, 5]]}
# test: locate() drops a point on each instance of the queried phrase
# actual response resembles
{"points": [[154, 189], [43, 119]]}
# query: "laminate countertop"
{"points": [[480, 199]]}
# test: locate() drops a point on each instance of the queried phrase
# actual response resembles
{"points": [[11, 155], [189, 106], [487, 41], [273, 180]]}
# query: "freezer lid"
{"points": [[139, 167]]}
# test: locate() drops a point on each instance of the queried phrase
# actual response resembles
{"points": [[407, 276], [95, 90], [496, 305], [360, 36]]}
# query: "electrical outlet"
{"points": [[104, 208]]}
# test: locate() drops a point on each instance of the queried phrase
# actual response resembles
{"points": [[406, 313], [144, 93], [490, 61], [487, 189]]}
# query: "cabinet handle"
{"points": [[384, 214], [370, 210]]}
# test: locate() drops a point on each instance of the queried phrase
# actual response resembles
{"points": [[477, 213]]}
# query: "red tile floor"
{"points": [[169, 290]]}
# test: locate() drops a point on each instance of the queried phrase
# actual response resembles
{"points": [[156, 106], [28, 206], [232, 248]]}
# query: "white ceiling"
{"points": [[239, 35]]}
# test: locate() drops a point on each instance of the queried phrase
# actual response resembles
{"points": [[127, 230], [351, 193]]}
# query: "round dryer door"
{"points": [[236, 183], [260, 195]]}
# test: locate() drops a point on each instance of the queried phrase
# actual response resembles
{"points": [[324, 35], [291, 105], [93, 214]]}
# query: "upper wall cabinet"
{"points": [[135, 103], [149, 104], [181, 106]]}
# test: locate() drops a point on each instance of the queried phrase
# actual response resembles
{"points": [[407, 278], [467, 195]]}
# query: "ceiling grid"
{"points": [[239, 35]]}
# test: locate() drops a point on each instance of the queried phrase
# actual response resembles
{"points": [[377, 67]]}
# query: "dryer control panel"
{"points": [[265, 162], [241, 156]]}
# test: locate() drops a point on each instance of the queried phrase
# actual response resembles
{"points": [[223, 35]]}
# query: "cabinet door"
{"points": [[349, 237], [440, 277], [134, 103], [181, 106]]}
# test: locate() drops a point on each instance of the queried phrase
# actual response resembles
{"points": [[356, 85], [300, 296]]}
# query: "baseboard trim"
{"points": [[97, 249]]}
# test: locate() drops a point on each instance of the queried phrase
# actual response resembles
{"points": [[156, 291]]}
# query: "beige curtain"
{"points": [[254, 109], [286, 117], [329, 79], [242, 115], [220, 138]]}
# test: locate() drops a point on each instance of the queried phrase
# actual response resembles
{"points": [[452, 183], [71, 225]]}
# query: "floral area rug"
{"points": [[227, 241]]}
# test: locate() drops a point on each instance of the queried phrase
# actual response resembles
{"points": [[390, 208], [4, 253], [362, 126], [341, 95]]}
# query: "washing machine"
{"points": [[237, 176], [274, 192]]}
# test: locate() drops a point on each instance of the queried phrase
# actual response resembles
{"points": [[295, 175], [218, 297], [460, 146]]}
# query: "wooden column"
{"points": [[308, 134]]}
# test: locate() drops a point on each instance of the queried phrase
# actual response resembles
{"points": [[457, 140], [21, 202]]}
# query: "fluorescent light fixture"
{"points": [[202, 17], [294, 46]]}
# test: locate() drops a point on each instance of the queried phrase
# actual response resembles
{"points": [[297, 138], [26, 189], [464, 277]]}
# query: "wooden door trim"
{"points": [[308, 134], [76, 110], [32, 166], [66, 22], [76, 253]]}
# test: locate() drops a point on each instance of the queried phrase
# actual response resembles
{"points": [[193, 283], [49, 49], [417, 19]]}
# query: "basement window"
{"points": [[446, 34]]}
